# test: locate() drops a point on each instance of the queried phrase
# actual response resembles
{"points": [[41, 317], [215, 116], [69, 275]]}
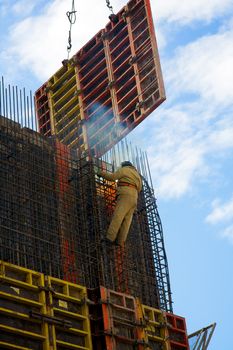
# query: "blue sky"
{"points": [[189, 139]]}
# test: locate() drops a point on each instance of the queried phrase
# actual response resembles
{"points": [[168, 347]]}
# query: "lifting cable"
{"points": [[71, 15], [109, 6], [113, 18]]}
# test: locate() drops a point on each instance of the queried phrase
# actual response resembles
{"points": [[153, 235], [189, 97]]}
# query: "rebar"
{"points": [[17, 105], [54, 211]]}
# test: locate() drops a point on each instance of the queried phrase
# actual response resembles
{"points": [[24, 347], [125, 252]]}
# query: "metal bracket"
{"points": [[111, 84], [47, 289], [78, 92], [140, 105], [47, 89], [74, 60], [50, 319], [105, 36], [133, 60], [126, 14], [89, 302], [65, 63]]}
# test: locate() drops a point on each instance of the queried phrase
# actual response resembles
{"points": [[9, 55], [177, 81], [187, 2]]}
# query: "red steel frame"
{"points": [[42, 110], [119, 80], [115, 307], [176, 332]]}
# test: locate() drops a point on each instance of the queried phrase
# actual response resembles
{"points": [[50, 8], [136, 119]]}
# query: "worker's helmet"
{"points": [[126, 163]]}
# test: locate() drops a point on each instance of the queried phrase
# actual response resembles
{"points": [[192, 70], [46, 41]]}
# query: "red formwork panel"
{"points": [[115, 321], [42, 110], [118, 83], [176, 332]]}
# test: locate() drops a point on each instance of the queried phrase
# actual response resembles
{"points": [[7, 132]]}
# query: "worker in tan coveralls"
{"points": [[128, 186]]}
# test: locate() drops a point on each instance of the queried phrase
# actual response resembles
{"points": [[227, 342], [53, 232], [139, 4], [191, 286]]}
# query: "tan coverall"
{"points": [[128, 186]]}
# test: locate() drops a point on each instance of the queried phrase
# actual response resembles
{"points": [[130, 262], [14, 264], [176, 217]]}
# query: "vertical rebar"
{"points": [[9, 97], [3, 97], [31, 110], [36, 121], [17, 104], [6, 102], [28, 113], [13, 92], [24, 105], [21, 107], [148, 167], [127, 148]]}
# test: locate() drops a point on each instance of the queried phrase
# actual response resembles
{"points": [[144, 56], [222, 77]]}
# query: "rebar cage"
{"points": [[54, 211]]}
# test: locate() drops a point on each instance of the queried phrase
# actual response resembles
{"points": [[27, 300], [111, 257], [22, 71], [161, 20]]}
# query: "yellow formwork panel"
{"points": [[67, 302], [22, 295], [62, 94], [82, 114], [69, 106], [57, 95], [66, 108], [71, 346], [70, 122], [59, 104], [5, 345], [20, 275], [154, 326], [40, 312], [61, 77]]}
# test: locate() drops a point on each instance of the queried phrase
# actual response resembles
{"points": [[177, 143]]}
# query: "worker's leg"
{"points": [[125, 226], [122, 208]]}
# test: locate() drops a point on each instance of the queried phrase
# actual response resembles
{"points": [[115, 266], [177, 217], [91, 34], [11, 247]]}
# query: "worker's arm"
{"points": [[111, 176]]}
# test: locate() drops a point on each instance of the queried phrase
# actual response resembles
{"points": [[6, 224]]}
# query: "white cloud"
{"points": [[3, 8], [188, 145], [23, 7], [228, 233], [221, 212], [190, 140], [39, 42], [204, 68], [186, 11]]}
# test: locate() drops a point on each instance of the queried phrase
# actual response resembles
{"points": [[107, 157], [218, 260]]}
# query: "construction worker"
{"points": [[129, 184]]}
